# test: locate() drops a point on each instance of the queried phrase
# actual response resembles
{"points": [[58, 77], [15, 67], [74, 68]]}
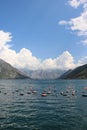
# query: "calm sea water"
{"points": [[20, 110]]}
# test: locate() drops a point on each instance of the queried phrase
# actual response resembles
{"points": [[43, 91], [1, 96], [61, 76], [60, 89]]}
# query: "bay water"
{"points": [[22, 106]]}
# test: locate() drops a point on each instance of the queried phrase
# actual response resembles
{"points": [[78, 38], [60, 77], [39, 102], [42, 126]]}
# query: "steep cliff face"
{"points": [[9, 72]]}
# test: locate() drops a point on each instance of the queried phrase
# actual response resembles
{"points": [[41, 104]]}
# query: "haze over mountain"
{"points": [[9, 72], [43, 74]]}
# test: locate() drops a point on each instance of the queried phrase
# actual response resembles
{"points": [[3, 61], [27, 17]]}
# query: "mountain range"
{"points": [[78, 73], [9, 72]]}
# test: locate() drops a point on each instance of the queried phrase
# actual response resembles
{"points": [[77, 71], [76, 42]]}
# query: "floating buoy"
{"points": [[61, 93], [64, 94], [16, 90], [29, 92], [34, 92], [49, 92], [73, 93], [21, 94], [84, 95], [44, 94], [5, 93]]}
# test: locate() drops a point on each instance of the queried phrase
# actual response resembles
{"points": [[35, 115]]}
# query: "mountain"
{"points": [[9, 72], [43, 74], [78, 73]]}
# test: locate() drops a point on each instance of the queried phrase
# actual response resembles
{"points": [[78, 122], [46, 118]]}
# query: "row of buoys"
{"points": [[29, 92], [69, 91], [73, 93], [44, 93]]}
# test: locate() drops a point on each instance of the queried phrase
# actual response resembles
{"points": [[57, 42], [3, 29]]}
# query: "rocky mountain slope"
{"points": [[78, 73], [9, 72]]}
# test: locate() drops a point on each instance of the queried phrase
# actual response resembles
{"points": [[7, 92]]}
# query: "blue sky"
{"points": [[45, 28]]}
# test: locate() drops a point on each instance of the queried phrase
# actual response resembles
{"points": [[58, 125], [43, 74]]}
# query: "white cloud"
{"points": [[65, 60], [76, 3], [63, 22], [78, 24], [49, 63], [25, 59], [5, 37]]}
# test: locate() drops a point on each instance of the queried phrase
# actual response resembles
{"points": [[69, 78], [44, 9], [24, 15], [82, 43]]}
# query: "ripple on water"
{"points": [[34, 112]]}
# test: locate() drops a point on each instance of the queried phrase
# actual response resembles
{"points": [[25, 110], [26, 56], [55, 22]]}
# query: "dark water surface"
{"points": [[20, 110]]}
